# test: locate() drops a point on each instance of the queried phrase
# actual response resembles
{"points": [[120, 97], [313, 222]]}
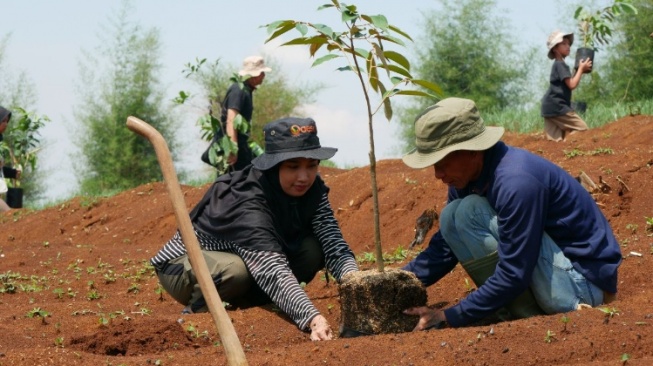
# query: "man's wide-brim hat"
{"points": [[290, 138], [555, 38], [451, 124], [253, 66]]}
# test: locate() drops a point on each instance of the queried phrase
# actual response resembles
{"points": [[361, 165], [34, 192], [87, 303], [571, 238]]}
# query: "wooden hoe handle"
{"points": [[232, 346]]}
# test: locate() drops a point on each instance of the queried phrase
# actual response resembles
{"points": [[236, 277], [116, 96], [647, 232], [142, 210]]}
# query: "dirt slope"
{"points": [[84, 264]]}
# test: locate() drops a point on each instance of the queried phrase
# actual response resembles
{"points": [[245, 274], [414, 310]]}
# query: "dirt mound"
{"points": [[76, 287], [126, 338]]}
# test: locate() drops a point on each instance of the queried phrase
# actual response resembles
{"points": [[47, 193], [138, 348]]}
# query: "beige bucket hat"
{"points": [[253, 66], [449, 125], [556, 37]]}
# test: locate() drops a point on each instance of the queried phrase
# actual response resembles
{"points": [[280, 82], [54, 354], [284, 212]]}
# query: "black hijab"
{"points": [[250, 208]]}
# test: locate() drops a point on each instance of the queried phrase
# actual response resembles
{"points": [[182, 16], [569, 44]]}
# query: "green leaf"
{"points": [[397, 69], [398, 58], [373, 75], [324, 58], [428, 85], [274, 25], [348, 15], [325, 6], [302, 40], [393, 40], [285, 27], [361, 52], [397, 30], [387, 108], [416, 93], [379, 21], [324, 29], [302, 28], [345, 68]]}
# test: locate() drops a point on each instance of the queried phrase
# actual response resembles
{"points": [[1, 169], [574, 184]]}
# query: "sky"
{"points": [[47, 39]]}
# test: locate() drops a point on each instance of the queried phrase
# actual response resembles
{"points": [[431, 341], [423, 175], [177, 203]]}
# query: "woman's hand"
{"points": [[320, 329], [428, 318]]}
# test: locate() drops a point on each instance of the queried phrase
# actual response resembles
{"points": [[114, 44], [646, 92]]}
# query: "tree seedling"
{"points": [[609, 313], [58, 342], [565, 320], [38, 312], [363, 48], [549, 337]]}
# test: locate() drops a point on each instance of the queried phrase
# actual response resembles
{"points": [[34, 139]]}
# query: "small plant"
{"points": [[632, 228], [574, 153], [134, 288], [609, 313], [58, 342], [195, 332], [549, 337], [59, 292], [565, 320], [649, 224], [595, 28], [159, 290], [624, 358], [37, 312], [93, 295], [468, 286]]}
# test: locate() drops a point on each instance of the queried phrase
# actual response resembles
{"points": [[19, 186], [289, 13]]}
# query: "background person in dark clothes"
{"points": [[528, 234], [239, 101]]}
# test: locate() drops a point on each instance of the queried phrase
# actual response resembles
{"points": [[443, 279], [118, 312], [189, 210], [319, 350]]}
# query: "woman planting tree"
{"points": [[264, 230]]}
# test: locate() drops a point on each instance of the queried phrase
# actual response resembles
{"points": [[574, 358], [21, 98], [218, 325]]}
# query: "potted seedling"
{"points": [[595, 28]]}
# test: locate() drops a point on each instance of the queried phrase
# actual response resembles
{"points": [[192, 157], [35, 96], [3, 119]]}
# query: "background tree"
{"points": [[629, 71], [462, 41], [117, 159]]}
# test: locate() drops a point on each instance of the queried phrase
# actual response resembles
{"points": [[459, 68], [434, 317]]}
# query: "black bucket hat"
{"points": [[289, 138]]}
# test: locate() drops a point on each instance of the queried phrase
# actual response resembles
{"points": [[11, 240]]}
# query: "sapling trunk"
{"points": [[375, 191]]}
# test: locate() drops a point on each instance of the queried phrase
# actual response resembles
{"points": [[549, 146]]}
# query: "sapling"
{"points": [[363, 49]]}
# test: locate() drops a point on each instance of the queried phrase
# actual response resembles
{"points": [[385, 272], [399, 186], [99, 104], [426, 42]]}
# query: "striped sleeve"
{"points": [[272, 273], [339, 258]]}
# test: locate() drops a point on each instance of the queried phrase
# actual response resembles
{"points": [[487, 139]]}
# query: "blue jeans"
{"points": [[469, 226]]}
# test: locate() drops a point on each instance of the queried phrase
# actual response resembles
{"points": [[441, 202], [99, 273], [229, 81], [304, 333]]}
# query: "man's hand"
{"points": [[320, 329], [428, 318]]}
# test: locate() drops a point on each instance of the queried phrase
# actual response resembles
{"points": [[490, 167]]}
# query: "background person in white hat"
{"points": [[560, 120], [236, 102], [528, 234], [264, 230]]}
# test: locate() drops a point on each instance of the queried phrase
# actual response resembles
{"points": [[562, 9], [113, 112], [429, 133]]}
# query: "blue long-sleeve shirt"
{"points": [[530, 195]]}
